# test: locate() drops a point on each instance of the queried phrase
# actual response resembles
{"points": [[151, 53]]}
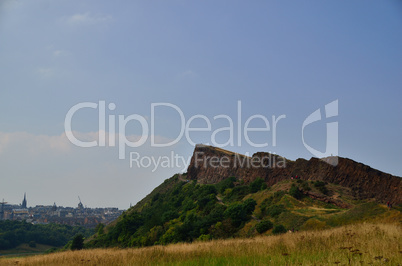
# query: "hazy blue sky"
{"points": [[276, 57]]}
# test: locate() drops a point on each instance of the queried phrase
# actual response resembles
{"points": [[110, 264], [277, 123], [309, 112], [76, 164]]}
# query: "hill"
{"points": [[215, 201]]}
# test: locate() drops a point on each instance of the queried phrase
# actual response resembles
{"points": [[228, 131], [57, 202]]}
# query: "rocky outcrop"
{"points": [[211, 165]]}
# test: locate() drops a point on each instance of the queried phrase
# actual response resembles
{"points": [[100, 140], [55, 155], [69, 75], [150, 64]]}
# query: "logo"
{"points": [[112, 131]]}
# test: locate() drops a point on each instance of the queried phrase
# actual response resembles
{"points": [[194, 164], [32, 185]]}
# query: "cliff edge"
{"points": [[210, 165]]}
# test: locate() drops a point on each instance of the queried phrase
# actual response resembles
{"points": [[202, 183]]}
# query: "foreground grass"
{"points": [[359, 244]]}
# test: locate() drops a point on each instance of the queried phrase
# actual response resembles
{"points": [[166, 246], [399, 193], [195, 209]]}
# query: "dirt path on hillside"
{"points": [[182, 179]]}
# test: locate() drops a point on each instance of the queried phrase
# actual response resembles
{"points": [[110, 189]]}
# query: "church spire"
{"points": [[24, 202]]}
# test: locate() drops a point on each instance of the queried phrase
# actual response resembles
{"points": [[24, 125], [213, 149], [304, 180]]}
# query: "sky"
{"points": [[163, 68]]}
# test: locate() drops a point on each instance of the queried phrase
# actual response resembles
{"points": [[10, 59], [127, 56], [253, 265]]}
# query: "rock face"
{"points": [[211, 165]]}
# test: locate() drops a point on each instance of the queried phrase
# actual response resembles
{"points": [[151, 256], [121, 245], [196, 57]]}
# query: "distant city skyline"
{"points": [[44, 214], [24, 204], [277, 59]]}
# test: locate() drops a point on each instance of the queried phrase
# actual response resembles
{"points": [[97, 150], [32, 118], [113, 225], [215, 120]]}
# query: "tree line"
{"points": [[14, 233]]}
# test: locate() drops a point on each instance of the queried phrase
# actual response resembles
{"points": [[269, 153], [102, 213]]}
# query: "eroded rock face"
{"points": [[210, 165]]}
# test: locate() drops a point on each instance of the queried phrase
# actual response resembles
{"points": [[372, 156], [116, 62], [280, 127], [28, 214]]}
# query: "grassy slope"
{"points": [[304, 214], [162, 188], [310, 214], [25, 249], [360, 244]]}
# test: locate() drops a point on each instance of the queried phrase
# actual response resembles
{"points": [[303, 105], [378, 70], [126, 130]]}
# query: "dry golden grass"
{"points": [[359, 244]]}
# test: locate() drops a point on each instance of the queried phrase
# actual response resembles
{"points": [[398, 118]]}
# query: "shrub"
{"points": [[156, 197], [203, 201], [279, 229], [271, 200], [188, 204], [170, 236], [240, 212], [226, 184], [321, 187], [278, 195], [169, 215], [249, 206], [206, 190], [263, 226], [227, 191], [51, 250], [177, 189], [319, 184], [78, 242], [306, 187], [237, 193], [216, 213], [256, 185], [295, 192], [204, 237], [236, 213], [323, 190]]}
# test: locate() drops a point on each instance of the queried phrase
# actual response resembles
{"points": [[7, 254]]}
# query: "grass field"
{"points": [[359, 244]]}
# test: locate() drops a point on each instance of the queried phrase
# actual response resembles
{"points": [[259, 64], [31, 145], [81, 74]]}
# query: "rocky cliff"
{"points": [[211, 165]]}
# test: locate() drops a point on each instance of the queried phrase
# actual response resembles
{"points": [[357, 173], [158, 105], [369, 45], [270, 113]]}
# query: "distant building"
{"points": [[20, 214], [2, 214], [43, 214], [80, 205], [24, 202]]}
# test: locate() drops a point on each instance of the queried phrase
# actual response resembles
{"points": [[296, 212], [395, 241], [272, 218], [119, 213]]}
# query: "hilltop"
{"points": [[364, 181], [215, 201]]}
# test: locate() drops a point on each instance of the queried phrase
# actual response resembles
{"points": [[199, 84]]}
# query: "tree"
{"points": [[78, 242], [263, 226], [225, 184], [169, 215], [100, 228], [236, 213], [249, 206], [256, 185], [279, 229]]}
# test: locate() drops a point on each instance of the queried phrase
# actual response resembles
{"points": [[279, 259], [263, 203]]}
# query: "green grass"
{"points": [[291, 203], [291, 220], [360, 213]]}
